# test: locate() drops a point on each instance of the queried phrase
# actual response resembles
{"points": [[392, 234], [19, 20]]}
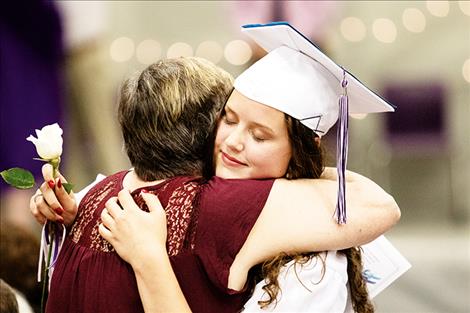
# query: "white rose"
{"points": [[49, 141]]}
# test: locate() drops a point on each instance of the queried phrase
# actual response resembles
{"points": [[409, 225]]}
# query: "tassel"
{"points": [[342, 151]]}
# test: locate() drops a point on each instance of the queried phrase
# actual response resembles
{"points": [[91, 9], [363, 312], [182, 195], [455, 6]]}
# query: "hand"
{"points": [[51, 201], [136, 235]]}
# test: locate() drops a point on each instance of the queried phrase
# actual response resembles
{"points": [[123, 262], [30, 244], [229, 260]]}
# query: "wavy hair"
{"points": [[307, 162]]}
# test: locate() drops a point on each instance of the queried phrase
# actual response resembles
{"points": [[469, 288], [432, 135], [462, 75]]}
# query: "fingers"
{"points": [[50, 198], [67, 200], [34, 210], [62, 178], [48, 174], [113, 207], [107, 220], [126, 201], [105, 233], [42, 211], [53, 200], [152, 202]]}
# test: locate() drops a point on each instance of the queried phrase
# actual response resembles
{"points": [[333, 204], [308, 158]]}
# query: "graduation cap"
{"points": [[297, 78]]}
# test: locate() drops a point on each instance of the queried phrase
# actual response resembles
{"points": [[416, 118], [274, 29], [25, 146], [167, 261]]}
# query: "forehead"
{"points": [[253, 111]]}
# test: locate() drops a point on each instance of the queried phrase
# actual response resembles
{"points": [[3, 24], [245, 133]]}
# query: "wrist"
{"points": [[152, 257]]}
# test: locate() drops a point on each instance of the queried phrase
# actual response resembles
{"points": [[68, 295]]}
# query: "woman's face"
{"points": [[252, 140]]}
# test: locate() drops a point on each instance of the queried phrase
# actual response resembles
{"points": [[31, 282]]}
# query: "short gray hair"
{"points": [[168, 114]]}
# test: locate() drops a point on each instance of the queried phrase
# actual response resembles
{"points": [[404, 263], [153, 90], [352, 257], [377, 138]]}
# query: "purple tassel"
{"points": [[342, 151], [52, 237], [59, 239]]}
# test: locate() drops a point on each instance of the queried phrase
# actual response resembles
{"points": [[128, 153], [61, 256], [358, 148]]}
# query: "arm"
{"points": [[140, 239], [304, 210], [299, 217]]}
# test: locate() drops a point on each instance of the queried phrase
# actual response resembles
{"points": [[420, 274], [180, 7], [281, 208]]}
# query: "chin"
{"points": [[226, 173]]}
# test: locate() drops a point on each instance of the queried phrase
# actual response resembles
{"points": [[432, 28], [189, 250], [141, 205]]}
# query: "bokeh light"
{"points": [[384, 30], [237, 52], [414, 20], [179, 49], [211, 51], [353, 29], [438, 8], [121, 49]]}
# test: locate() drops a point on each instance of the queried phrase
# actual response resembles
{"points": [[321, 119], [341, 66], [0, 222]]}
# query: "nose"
{"points": [[235, 140]]}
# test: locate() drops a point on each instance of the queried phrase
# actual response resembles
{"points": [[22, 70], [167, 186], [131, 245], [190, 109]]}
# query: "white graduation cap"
{"points": [[297, 78]]}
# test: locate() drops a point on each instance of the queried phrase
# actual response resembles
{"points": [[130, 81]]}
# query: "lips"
{"points": [[231, 161]]}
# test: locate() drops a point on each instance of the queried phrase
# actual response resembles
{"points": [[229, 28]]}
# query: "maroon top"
{"points": [[208, 224]]}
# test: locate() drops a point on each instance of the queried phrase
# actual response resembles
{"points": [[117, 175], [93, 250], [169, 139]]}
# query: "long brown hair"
{"points": [[307, 162]]}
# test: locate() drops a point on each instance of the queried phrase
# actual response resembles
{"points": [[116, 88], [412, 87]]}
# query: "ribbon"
{"points": [[52, 240]]}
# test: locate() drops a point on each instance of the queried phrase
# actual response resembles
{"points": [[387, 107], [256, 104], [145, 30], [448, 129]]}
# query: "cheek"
{"points": [[279, 163], [270, 162], [220, 135]]}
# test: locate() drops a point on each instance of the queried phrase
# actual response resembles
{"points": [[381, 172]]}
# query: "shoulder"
{"points": [[234, 197], [115, 178], [112, 180], [232, 191], [219, 183]]}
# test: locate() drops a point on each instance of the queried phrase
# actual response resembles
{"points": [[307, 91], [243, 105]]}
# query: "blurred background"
{"points": [[63, 61]]}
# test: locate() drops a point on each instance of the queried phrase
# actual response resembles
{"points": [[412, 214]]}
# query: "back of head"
{"points": [[8, 302], [18, 261], [168, 114]]}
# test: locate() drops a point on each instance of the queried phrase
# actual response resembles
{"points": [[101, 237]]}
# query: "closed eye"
{"points": [[228, 121], [257, 137]]}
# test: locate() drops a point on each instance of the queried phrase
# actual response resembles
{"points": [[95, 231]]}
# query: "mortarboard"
{"points": [[297, 78]]}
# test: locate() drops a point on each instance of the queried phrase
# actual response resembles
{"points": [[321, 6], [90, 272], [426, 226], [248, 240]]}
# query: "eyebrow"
{"points": [[258, 125]]}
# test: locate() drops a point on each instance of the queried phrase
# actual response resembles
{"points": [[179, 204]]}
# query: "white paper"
{"points": [[383, 264]]}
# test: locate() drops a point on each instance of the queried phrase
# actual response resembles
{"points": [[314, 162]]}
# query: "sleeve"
{"points": [[228, 209], [320, 285]]}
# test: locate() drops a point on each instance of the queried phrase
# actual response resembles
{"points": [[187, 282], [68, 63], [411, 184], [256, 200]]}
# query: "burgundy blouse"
{"points": [[208, 224]]}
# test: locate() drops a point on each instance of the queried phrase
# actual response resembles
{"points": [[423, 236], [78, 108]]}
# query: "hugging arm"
{"points": [[371, 211], [140, 239], [299, 217]]}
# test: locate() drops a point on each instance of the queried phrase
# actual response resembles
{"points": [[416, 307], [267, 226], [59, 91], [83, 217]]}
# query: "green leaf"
{"points": [[68, 187], [18, 178]]}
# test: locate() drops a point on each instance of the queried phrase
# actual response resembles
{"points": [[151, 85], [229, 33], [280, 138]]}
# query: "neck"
{"points": [[132, 181]]}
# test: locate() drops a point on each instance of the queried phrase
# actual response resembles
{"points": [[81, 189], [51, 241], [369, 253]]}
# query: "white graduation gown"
{"points": [[324, 295]]}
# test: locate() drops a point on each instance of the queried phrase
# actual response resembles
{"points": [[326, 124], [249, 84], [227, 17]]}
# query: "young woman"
{"points": [[233, 225], [258, 136]]}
